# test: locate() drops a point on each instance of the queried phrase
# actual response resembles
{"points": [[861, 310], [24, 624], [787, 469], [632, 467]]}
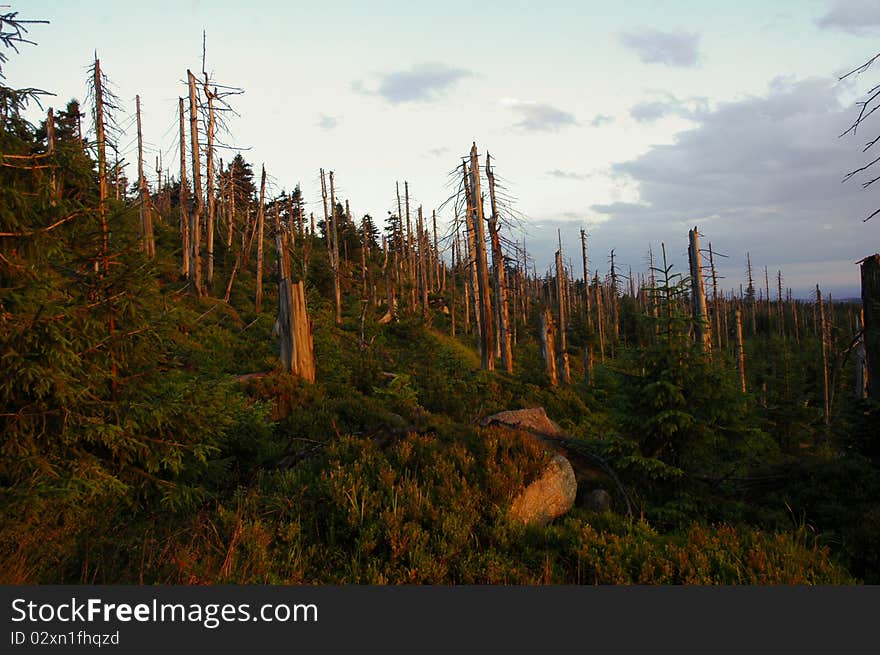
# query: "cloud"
{"points": [[759, 175], [670, 48], [438, 152], [652, 110], [422, 83], [539, 117], [566, 175], [327, 123], [601, 119], [858, 17]]}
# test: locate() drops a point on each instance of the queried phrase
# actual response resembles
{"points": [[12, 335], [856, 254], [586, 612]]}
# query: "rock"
{"points": [[534, 419], [598, 500], [548, 497]]}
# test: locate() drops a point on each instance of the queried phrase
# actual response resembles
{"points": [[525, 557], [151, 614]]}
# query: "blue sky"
{"points": [[636, 120]]}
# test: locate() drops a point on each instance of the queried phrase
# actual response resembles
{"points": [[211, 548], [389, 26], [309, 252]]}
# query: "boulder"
{"points": [[548, 497], [598, 500], [534, 420]]}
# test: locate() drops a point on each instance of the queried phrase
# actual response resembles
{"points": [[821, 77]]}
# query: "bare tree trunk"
{"points": [[600, 320], [284, 321], [364, 246], [334, 262], [780, 306], [302, 335], [196, 225], [423, 263], [824, 339], [716, 310], [615, 308], [698, 295], [501, 290], [548, 347], [472, 267], [50, 148], [488, 350], [870, 270], [410, 251], [861, 388], [209, 228], [738, 350], [453, 280], [184, 217], [149, 244], [586, 281], [102, 199], [436, 256], [560, 297], [752, 299], [261, 215]]}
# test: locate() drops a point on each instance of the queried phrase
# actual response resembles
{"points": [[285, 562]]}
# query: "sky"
{"points": [[635, 121]]}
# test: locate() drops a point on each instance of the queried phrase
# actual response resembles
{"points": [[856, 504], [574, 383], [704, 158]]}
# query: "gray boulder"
{"points": [[598, 500], [534, 419], [548, 497]]}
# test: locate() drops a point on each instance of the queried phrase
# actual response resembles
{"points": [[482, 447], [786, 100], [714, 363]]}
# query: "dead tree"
{"points": [[472, 284], [422, 263], [870, 273], [333, 237], [149, 243], [548, 346], [184, 217], [615, 308], [702, 332], [861, 387], [738, 350], [364, 247], [716, 309], [477, 217], [209, 162], [751, 295], [501, 291], [198, 209], [261, 216], [98, 81], [293, 327], [600, 319], [823, 336], [560, 298], [410, 251]]}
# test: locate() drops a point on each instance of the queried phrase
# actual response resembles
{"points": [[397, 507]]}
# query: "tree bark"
{"points": [[488, 350], [209, 227], [334, 262], [261, 216], [184, 214], [548, 347], [823, 336], [501, 289], [149, 244], [702, 332], [196, 223], [870, 271], [738, 350]]}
